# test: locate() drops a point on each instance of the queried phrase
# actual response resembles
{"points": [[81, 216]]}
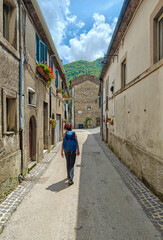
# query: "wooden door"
{"points": [[30, 140]]}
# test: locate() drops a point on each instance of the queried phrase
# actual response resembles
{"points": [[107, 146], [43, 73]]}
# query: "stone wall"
{"points": [[10, 155], [86, 102]]}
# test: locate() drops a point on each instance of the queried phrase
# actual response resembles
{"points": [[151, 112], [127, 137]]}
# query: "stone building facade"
{"points": [[27, 103], [131, 87], [85, 101]]}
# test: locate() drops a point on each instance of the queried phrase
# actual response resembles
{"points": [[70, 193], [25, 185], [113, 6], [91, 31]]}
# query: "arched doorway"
{"points": [[32, 139]]}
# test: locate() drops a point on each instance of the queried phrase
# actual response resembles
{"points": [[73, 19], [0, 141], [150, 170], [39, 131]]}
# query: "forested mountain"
{"points": [[81, 67]]}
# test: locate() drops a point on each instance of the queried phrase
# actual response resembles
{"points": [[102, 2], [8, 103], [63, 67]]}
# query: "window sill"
{"points": [[7, 45], [31, 105], [9, 133]]}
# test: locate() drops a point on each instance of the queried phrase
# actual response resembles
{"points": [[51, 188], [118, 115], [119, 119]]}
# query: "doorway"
{"points": [[58, 127], [45, 125], [32, 139]]}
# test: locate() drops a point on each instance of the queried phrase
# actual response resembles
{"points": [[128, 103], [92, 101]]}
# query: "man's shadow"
{"points": [[59, 186]]}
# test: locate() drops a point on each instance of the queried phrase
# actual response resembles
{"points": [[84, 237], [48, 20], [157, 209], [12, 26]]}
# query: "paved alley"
{"points": [[106, 201]]}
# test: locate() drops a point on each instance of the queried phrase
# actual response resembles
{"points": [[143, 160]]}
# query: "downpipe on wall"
{"points": [[20, 177]]}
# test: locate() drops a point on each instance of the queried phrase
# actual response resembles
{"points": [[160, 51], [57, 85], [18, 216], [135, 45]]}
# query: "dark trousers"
{"points": [[70, 159]]}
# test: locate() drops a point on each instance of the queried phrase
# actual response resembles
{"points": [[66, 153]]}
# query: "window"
{"points": [[107, 102], [160, 37], [10, 114], [41, 50], [9, 22], [89, 108], [31, 97], [6, 20], [156, 34], [123, 73]]}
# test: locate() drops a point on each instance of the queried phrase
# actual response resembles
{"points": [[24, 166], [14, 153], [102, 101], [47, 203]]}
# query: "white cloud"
{"points": [[58, 16], [91, 45]]}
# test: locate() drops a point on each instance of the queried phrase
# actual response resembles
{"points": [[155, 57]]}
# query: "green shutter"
{"points": [[46, 51], [51, 63], [37, 49], [42, 51], [63, 86], [56, 80], [100, 102]]}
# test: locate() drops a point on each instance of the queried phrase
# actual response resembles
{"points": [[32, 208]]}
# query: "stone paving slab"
{"points": [[8, 206], [151, 205]]}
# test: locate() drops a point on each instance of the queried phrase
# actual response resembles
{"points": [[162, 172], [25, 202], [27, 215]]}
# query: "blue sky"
{"points": [[81, 29]]}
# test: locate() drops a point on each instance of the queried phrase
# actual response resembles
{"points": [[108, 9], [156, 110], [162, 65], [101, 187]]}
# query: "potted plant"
{"points": [[65, 95], [53, 122], [59, 90], [46, 72], [110, 121]]}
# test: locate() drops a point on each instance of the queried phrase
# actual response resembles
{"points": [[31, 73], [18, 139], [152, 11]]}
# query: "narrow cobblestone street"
{"points": [[106, 202]]}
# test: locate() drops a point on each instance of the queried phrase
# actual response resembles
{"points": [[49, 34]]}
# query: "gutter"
{"points": [[121, 15]]}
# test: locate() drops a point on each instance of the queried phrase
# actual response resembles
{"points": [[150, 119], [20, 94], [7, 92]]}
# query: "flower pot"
{"points": [[41, 71]]}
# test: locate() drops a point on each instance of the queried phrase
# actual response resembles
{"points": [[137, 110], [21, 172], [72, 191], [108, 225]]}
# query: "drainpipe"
{"points": [[20, 87], [50, 90], [102, 109]]}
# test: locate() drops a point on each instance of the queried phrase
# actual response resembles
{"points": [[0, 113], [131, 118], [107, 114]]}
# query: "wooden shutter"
{"points": [[51, 63], [56, 80], [37, 49], [46, 51]]}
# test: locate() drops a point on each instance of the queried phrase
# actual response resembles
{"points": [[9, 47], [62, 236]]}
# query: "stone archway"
{"points": [[32, 139]]}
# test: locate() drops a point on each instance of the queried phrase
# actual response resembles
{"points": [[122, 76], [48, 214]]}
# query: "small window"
{"points": [[10, 114], [89, 108], [31, 97], [123, 73]]}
